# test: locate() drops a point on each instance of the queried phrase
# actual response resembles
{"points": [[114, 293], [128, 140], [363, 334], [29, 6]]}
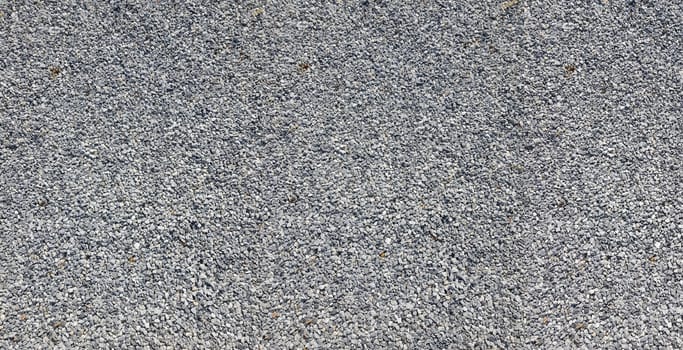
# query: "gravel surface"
{"points": [[345, 174]]}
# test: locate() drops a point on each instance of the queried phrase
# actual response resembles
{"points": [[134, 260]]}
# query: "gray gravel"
{"points": [[346, 174]]}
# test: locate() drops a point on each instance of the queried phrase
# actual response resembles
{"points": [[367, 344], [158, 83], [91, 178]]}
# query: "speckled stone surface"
{"points": [[344, 174]]}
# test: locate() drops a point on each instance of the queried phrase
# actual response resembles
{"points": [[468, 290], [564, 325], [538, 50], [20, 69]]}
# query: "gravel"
{"points": [[341, 174]]}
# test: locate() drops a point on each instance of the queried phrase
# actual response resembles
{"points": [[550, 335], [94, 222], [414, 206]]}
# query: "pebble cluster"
{"points": [[341, 174]]}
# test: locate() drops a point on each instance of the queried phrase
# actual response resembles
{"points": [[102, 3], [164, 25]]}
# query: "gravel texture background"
{"points": [[341, 174]]}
